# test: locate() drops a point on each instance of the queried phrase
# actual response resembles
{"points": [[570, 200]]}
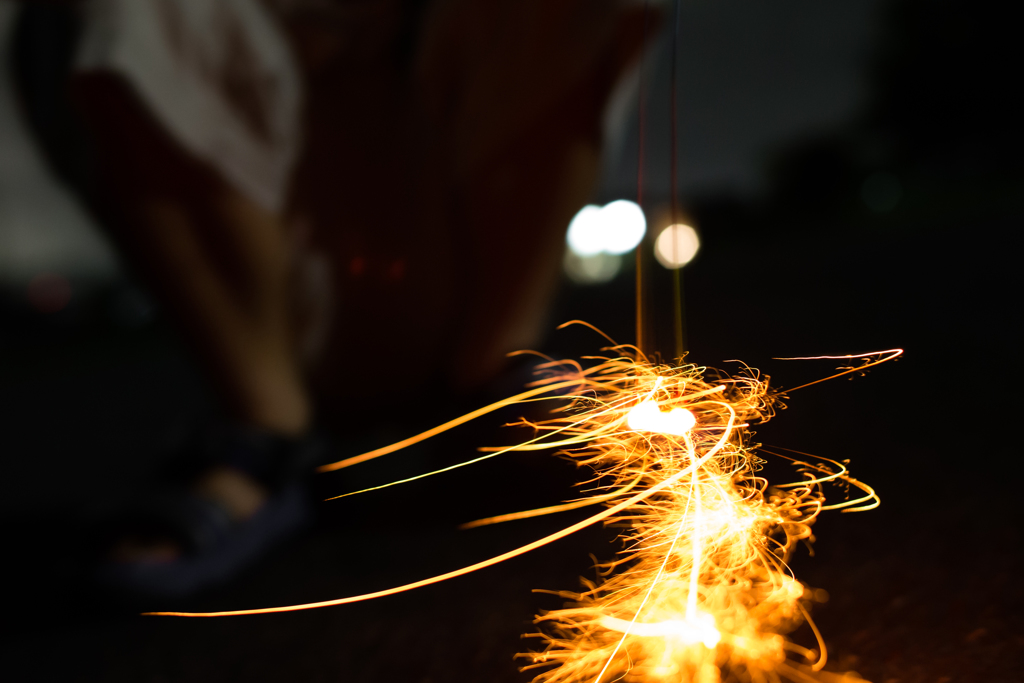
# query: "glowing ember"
{"points": [[701, 590], [648, 417], [698, 629]]}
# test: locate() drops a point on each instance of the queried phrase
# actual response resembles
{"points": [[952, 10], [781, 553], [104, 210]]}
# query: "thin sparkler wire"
{"points": [[677, 286], [641, 116]]}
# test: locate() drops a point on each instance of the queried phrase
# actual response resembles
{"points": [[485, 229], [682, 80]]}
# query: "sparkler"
{"points": [[702, 589]]}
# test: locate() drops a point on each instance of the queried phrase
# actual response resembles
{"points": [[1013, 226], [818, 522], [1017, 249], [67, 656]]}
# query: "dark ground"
{"points": [[925, 589]]}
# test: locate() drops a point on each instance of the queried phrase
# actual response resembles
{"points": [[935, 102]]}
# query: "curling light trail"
{"points": [[701, 590]]}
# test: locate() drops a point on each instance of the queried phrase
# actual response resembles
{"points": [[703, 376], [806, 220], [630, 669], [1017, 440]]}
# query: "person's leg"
{"points": [[221, 267], [219, 263]]}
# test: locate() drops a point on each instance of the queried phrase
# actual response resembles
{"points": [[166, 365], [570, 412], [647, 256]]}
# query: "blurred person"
{"points": [[333, 201]]}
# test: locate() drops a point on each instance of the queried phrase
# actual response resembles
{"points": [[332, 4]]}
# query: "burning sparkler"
{"points": [[702, 589]]}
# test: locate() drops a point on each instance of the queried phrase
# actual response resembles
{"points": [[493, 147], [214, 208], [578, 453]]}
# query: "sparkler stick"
{"points": [[641, 119], [677, 278]]}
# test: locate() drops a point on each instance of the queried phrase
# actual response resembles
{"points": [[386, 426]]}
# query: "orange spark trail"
{"points": [[450, 575]]}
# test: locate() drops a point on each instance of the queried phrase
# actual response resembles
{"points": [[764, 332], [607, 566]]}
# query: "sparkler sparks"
{"points": [[701, 590], [702, 587]]}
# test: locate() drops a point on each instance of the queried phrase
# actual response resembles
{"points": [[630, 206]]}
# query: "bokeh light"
{"points": [[615, 228], [676, 246]]}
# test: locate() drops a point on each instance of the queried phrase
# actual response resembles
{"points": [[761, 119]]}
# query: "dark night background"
{"points": [[855, 175]]}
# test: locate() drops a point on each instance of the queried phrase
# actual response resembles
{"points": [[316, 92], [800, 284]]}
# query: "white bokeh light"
{"points": [[676, 246], [584, 238], [615, 228]]}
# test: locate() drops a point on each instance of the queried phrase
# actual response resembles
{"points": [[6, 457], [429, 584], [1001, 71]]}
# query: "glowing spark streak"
{"points": [[892, 353], [423, 436], [536, 443], [643, 495], [820, 664], [842, 473], [539, 512], [584, 323]]}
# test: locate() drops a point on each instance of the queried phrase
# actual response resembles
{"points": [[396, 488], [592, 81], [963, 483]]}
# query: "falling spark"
{"points": [[701, 591]]}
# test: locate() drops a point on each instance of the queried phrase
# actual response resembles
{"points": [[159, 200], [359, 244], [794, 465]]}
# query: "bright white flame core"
{"points": [[612, 229], [700, 628], [648, 417], [676, 246]]}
